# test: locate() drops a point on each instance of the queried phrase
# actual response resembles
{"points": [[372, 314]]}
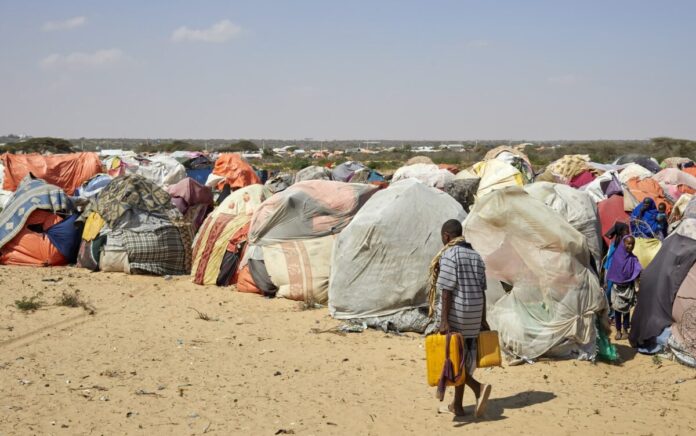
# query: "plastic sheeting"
{"points": [[67, 171], [300, 269], [673, 176], [308, 210], [551, 308], [496, 174], [232, 170], [381, 260], [633, 170], [344, 171], [313, 173], [576, 207], [162, 170], [429, 174]]}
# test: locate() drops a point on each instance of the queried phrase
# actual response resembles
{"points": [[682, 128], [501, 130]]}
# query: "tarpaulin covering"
{"points": [[429, 174], [313, 173], [684, 315], [641, 160], [633, 170], [33, 248], [162, 170], [300, 268], [132, 193], [211, 241], [234, 171], [551, 308], [495, 174], [576, 207], [381, 260], [344, 172], [31, 195], [648, 188], [65, 237], [660, 282], [306, 210], [673, 176], [67, 171], [188, 193], [159, 252]]}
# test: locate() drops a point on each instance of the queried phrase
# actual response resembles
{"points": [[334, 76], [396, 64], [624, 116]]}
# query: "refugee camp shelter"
{"points": [[222, 231], [556, 296], [66, 171], [37, 227], [232, 170], [381, 259], [133, 227]]}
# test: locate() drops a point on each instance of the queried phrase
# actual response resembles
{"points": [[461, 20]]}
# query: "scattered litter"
{"points": [[284, 431], [144, 392], [353, 327], [24, 382]]}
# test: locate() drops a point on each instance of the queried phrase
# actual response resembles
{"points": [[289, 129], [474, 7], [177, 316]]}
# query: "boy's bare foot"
{"points": [[618, 336], [482, 401]]}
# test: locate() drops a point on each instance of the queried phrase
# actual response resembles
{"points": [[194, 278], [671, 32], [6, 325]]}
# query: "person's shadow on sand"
{"points": [[496, 406]]}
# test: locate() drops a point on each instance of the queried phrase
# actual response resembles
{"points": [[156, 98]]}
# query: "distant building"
{"points": [[453, 147]]}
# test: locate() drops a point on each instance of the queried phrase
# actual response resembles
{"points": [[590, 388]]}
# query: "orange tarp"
{"points": [[67, 171], [235, 170], [30, 248], [643, 188]]}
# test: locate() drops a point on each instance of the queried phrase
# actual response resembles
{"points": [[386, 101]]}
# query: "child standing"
{"points": [[623, 273]]}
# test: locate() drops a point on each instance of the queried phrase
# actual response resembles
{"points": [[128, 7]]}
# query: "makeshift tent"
{"points": [[419, 160], [683, 340], [36, 227], [313, 173], [300, 268], [381, 260], [144, 232], [429, 174], [576, 207], [673, 176], [67, 171], [569, 166], [674, 162], [611, 211], [648, 188], [660, 283], [230, 169], [632, 171], [494, 174], [603, 186], [344, 172], [646, 162], [514, 157], [93, 186], [218, 230], [163, 170], [551, 309], [279, 182], [463, 190], [307, 209], [193, 200]]}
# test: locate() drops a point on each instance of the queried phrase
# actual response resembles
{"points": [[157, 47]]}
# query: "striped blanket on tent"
{"points": [[32, 194]]}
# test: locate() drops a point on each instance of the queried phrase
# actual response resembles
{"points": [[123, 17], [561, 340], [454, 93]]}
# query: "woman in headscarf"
{"points": [[644, 222], [616, 234], [623, 273]]}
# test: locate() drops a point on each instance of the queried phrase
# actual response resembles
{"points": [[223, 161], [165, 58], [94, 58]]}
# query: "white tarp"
{"points": [[381, 260], [429, 174], [576, 207], [551, 308], [633, 170], [162, 170]]}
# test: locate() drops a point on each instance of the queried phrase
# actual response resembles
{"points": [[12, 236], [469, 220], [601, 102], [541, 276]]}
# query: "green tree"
{"points": [[41, 145], [240, 146]]}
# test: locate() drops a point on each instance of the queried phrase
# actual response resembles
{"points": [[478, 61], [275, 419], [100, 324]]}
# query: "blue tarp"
{"points": [[200, 175], [65, 237]]}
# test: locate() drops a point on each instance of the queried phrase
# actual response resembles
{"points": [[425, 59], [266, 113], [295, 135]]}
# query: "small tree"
{"points": [[241, 146]]}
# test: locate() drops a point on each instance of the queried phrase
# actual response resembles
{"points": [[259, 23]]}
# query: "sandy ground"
{"points": [[145, 364]]}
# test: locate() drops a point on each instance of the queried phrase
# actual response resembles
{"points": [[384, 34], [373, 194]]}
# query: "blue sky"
{"points": [[349, 69]]}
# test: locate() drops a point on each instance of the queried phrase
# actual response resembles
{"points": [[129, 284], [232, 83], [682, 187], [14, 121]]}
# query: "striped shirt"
{"points": [[463, 274]]}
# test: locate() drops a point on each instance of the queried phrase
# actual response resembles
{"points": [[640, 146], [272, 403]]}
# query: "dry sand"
{"points": [[145, 364]]}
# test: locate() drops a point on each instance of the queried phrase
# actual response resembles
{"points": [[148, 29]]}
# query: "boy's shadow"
{"points": [[496, 406]]}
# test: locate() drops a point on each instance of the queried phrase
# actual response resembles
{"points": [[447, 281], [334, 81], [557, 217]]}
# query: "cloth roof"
{"points": [[551, 308], [429, 174], [308, 209], [66, 171], [234, 171], [381, 260], [31, 195]]}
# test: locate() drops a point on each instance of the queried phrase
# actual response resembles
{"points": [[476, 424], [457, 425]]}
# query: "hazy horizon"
{"points": [[387, 70]]}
